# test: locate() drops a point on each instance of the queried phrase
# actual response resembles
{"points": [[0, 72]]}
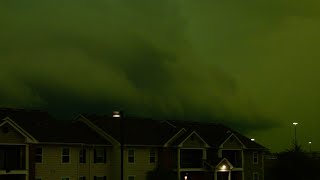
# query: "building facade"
{"points": [[35, 146]]}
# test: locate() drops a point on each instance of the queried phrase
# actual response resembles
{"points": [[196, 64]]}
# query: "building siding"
{"points": [[12, 136], [53, 168], [141, 165], [250, 167]]}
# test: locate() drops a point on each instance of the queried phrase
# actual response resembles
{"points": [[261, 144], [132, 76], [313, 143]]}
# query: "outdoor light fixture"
{"points": [[295, 123], [252, 139], [116, 114], [185, 177], [223, 167]]}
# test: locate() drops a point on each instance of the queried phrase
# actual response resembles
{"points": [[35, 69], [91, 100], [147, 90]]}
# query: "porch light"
{"points": [[223, 167], [185, 177]]}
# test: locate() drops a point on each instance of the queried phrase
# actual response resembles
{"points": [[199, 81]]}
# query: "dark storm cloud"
{"points": [[251, 64]]}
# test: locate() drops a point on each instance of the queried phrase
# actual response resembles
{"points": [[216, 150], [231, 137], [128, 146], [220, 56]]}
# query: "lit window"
{"points": [[100, 155], [65, 155], [130, 177], [82, 156], [152, 158], [255, 176], [131, 156], [38, 155], [255, 157]]}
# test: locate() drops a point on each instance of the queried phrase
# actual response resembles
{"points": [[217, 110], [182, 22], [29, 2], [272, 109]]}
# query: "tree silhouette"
{"points": [[295, 164]]}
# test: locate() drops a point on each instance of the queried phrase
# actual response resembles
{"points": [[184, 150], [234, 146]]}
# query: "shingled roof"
{"points": [[46, 129], [137, 131], [214, 134]]}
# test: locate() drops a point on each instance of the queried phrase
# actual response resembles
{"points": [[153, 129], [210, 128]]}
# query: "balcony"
{"points": [[191, 158], [12, 158]]}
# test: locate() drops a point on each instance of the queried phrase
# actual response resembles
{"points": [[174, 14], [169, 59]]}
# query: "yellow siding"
{"points": [[12, 136], [141, 165], [53, 168], [194, 142], [232, 143]]}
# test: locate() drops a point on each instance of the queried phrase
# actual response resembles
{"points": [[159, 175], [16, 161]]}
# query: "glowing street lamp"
{"points": [[252, 139], [310, 145], [295, 133], [117, 114]]}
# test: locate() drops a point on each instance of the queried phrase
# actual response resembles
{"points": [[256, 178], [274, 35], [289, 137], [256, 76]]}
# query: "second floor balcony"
{"points": [[191, 158], [12, 157]]}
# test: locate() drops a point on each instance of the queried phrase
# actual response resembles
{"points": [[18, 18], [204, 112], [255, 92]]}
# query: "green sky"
{"points": [[250, 64]]}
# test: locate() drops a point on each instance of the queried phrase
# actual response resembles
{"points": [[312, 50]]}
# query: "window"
{"points": [[38, 178], [255, 157], [82, 178], [82, 156], [255, 176], [38, 155], [65, 156], [100, 155], [130, 177], [100, 178], [152, 157], [65, 178], [131, 155]]}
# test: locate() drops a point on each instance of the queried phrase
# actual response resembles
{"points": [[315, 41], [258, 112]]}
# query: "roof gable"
{"points": [[232, 142], [224, 165], [18, 131], [193, 140]]}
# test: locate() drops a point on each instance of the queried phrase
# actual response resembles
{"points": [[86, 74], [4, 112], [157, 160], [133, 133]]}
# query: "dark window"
{"points": [[38, 155], [100, 155], [65, 155], [82, 156], [152, 156], [131, 156], [130, 177], [82, 178], [255, 157]]}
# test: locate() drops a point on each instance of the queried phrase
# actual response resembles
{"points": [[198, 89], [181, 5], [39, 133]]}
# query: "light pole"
{"points": [[295, 134], [118, 114], [310, 146]]}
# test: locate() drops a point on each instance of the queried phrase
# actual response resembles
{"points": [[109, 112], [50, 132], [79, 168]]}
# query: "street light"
{"points": [[117, 114], [310, 145], [295, 133]]}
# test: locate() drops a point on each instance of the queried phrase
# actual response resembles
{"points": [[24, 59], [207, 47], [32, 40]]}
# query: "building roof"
{"points": [[137, 131], [46, 129], [214, 134]]}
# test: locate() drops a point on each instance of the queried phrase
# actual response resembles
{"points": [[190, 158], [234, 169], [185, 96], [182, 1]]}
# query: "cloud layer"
{"points": [[251, 64]]}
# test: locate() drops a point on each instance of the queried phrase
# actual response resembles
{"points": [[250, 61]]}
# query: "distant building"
{"points": [[35, 146]]}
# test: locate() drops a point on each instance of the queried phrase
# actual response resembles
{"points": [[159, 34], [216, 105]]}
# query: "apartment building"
{"points": [[33, 145]]}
